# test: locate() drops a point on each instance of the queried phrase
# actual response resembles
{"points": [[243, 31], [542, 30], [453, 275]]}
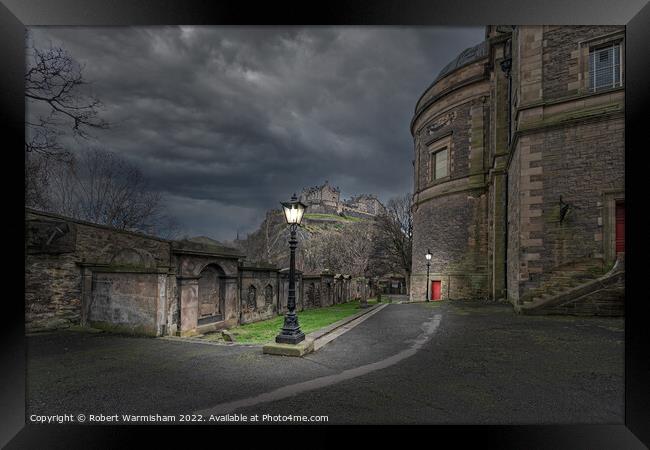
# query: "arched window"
{"points": [[268, 295], [252, 297]]}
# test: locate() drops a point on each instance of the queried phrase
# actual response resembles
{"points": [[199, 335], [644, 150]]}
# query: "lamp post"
{"points": [[428, 257], [290, 333]]}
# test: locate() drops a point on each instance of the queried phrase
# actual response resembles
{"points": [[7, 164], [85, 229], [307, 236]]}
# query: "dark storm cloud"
{"points": [[228, 121]]}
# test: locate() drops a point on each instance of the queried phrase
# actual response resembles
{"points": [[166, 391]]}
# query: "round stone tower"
{"points": [[450, 201]]}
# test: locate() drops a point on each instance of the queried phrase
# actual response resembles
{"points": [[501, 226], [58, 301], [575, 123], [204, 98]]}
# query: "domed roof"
{"points": [[467, 56]]}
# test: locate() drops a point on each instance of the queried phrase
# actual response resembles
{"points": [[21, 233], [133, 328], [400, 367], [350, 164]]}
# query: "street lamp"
{"points": [[290, 333], [428, 257]]}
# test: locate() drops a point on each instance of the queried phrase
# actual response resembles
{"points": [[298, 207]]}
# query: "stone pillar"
{"points": [[363, 302], [173, 306], [347, 288], [327, 288], [161, 307], [189, 295], [231, 304], [86, 294]]}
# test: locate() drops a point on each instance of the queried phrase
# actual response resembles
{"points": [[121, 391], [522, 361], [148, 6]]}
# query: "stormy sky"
{"points": [[228, 121]]}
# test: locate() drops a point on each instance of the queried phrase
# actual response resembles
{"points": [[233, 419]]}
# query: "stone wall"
{"points": [[514, 215], [535, 170], [454, 229], [567, 167], [450, 214], [78, 273], [52, 291], [342, 290], [575, 164], [62, 257], [259, 294], [457, 129], [327, 289], [312, 292], [565, 59], [127, 302]]}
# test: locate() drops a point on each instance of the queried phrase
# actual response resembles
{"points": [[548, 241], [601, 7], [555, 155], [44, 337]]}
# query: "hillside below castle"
{"points": [[335, 234]]}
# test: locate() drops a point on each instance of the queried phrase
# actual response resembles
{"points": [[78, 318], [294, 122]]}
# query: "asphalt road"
{"points": [[409, 363]]}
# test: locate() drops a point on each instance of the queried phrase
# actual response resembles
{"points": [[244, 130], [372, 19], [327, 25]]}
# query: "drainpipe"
{"points": [[505, 240], [506, 67]]}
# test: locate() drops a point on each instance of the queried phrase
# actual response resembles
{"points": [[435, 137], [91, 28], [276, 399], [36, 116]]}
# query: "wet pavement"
{"points": [[440, 362]]}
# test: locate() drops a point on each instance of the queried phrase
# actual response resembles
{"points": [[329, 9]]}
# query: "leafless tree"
{"points": [[396, 234], [355, 249], [55, 88], [58, 101], [346, 249], [100, 187]]}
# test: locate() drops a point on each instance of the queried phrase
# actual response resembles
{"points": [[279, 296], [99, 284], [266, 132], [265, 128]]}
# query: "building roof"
{"points": [[467, 56], [321, 187]]}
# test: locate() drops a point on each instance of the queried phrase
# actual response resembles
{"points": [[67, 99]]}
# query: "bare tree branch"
{"points": [[57, 100], [55, 82], [101, 187]]}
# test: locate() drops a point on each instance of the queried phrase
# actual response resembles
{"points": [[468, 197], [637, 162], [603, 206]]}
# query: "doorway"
{"points": [[436, 290]]}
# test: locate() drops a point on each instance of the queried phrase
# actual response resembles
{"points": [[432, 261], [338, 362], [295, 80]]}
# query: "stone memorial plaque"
{"points": [[50, 236]]}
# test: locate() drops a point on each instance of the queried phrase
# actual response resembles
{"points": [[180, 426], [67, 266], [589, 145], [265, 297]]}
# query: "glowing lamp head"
{"points": [[293, 210], [428, 255]]}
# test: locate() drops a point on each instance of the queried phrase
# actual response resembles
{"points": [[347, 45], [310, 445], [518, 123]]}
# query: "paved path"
{"points": [[409, 363]]}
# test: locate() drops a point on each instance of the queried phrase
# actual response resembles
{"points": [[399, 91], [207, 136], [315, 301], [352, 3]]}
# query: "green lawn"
{"points": [[310, 320]]}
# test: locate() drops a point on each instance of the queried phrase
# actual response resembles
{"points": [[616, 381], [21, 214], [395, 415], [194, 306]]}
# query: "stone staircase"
{"points": [[580, 289]]}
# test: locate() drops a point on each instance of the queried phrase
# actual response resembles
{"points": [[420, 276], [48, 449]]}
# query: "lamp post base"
{"points": [[290, 338], [290, 333]]}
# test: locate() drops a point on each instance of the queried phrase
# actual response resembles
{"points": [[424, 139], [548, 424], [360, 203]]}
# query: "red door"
{"points": [[435, 290], [620, 227]]}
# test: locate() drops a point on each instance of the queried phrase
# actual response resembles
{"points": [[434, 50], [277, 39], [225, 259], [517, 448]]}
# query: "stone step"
{"points": [[560, 288]]}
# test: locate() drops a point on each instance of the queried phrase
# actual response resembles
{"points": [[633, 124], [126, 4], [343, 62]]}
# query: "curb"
{"points": [[328, 334], [333, 326], [189, 340]]}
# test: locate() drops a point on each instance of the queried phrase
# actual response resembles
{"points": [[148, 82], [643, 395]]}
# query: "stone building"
{"points": [[79, 273], [326, 199], [519, 171], [364, 204], [325, 195]]}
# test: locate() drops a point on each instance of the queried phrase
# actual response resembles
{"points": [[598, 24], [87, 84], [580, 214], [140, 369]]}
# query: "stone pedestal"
{"points": [[301, 349]]}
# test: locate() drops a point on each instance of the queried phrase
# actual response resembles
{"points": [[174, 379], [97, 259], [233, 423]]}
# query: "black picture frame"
{"points": [[15, 15]]}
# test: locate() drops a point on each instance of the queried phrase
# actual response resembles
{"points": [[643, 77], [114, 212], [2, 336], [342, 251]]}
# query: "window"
{"points": [[605, 67], [439, 163]]}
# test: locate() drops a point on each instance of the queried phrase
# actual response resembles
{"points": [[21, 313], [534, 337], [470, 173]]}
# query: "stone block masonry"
{"points": [[450, 212], [536, 172], [58, 276], [79, 273]]}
